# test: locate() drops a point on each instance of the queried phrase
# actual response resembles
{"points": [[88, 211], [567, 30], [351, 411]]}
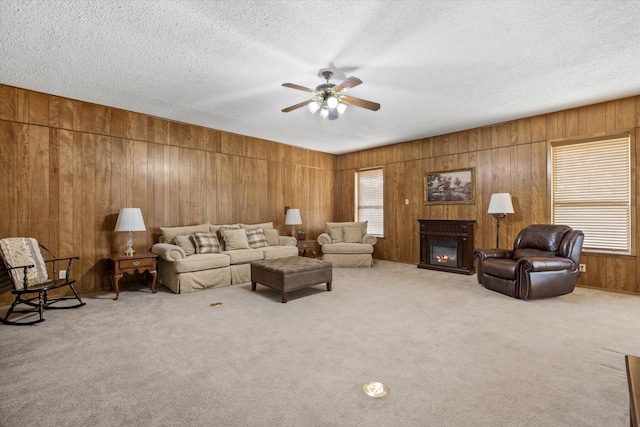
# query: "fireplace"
{"points": [[443, 253], [447, 245]]}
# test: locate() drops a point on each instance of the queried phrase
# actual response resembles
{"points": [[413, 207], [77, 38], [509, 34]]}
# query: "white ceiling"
{"points": [[434, 66]]}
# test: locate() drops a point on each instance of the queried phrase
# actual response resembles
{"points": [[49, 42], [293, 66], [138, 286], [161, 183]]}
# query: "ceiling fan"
{"points": [[330, 99]]}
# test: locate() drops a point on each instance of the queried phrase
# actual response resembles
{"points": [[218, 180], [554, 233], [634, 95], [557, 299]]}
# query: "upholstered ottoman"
{"points": [[290, 274]]}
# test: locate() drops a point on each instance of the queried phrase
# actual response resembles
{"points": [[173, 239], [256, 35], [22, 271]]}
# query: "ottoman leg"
{"points": [[284, 297], [329, 286], [253, 286]]}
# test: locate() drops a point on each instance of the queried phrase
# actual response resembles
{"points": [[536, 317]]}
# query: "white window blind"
{"points": [[591, 191], [370, 200]]}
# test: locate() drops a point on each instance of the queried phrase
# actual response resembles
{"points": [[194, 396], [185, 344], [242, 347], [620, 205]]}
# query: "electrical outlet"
{"points": [[406, 201], [62, 274], [583, 268]]}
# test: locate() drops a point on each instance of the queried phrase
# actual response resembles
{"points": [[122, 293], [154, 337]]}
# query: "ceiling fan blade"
{"points": [[373, 106], [348, 83], [295, 107], [295, 86]]}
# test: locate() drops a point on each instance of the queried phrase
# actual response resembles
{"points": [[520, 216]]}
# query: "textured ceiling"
{"points": [[434, 66]]}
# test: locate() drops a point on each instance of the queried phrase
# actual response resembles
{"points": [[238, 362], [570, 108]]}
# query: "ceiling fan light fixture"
{"points": [[332, 101], [314, 106], [341, 107], [324, 113]]}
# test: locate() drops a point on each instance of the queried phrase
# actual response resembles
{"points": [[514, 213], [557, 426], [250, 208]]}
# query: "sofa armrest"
{"points": [[324, 239], [168, 252], [287, 241], [369, 239]]}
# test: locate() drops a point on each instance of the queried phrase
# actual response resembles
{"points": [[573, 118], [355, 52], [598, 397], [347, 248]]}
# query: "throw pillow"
{"points": [[352, 234], [336, 235], [234, 238], [272, 236], [186, 244], [256, 238], [206, 243]]}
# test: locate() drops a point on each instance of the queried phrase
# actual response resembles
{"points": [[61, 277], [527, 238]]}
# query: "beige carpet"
{"points": [[451, 353]]}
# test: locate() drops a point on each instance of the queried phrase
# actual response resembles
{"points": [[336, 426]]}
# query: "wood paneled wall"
{"points": [[68, 166], [508, 157]]}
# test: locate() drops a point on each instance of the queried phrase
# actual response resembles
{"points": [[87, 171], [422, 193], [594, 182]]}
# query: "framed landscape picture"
{"points": [[450, 187]]}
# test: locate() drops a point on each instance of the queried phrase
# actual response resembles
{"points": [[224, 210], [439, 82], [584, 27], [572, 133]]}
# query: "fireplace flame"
{"points": [[445, 259]]}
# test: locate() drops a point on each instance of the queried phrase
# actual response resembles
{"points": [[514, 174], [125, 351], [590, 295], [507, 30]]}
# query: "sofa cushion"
{"points": [[198, 262], [256, 238], [272, 235], [336, 235], [170, 233], [274, 252], [234, 239], [352, 234], [245, 255], [347, 248], [254, 226], [206, 243], [186, 244]]}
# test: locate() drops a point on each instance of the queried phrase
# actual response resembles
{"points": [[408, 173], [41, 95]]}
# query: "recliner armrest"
{"points": [[324, 239], [536, 264], [482, 254], [168, 252]]}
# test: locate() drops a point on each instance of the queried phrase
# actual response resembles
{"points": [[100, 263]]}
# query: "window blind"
{"points": [[370, 200], [591, 191]]}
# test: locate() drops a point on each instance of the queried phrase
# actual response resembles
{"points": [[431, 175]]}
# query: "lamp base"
{"points": [[293, 231], [129, 242]]}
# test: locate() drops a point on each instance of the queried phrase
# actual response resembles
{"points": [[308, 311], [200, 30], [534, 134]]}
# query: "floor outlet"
{"points": [[62, 274]]}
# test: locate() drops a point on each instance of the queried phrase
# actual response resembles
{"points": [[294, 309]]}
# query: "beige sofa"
{"points": [[208, 256], [347, 244]]}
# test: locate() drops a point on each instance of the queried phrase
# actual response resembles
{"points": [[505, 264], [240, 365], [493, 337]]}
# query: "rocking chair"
{"points": [[27, 270]]}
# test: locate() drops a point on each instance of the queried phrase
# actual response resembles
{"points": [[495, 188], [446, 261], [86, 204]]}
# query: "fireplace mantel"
{"points": [[447, 245]]}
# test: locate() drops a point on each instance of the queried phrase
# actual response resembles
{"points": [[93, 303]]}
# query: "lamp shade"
{"points": [[293, 217], [130, 219], [500, 203]]}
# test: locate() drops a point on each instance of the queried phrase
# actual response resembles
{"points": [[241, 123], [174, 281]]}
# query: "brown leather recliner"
{"points": [[544, 263]]}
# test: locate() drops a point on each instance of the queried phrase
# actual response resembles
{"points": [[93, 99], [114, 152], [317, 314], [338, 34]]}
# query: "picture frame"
{"points": [[450, 187]]}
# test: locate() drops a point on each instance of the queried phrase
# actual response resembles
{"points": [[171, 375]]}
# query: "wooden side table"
{"points": [[307, 245], [142, 262]]}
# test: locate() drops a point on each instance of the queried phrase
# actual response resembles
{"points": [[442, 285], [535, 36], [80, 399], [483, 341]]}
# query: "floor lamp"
{"points": [[499, 206]]}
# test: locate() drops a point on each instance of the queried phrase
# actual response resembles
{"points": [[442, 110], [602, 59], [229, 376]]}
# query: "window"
{"points": [[591, 191], [369, 200]]}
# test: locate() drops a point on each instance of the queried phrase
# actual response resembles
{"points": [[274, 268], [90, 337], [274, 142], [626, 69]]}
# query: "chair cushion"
{"points": [[352, 234], [500, 267], [545, 237], [23, 251], [530, 252], [336, 234], [347, 248]]}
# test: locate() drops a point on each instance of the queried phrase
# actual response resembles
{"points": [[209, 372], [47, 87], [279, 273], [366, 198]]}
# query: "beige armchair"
{"points": [[347, 244]]}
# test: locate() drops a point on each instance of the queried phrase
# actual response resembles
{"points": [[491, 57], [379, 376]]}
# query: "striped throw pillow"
{"points": [[206, 243], [256, 238]]}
